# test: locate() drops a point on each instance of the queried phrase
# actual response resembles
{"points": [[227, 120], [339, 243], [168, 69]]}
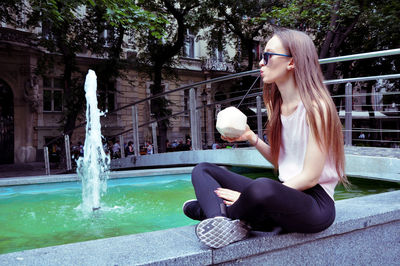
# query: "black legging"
{"points": [[263, 203]]}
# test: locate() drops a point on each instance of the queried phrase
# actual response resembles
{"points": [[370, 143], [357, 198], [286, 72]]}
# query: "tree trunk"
{"points": [[158, 106], [331, 31], [249, 48], [69, 125], [335, 37], [161, 55]]}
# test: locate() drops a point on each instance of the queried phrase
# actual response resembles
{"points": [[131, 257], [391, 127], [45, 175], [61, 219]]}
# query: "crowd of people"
{"points": [[113, 148], [179, 145]]}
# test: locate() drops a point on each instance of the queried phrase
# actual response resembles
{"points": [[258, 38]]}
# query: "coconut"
{"points": [[231, 122]]}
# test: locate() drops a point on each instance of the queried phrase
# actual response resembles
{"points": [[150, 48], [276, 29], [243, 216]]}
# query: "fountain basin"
{"points": [[39, 215], [365, 232]]}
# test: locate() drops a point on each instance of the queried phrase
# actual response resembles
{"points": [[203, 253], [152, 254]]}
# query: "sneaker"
{"points": [[191, 208], [221, 231]]}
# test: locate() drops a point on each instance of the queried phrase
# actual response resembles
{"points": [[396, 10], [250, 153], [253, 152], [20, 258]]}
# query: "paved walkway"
{"points": [[27, 169], [38, 169]]}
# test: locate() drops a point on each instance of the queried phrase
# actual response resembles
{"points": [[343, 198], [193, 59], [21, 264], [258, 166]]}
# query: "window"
{"points": [[188, 49], [130, 38], [218, 55], [186, 100], [257, 49], [52, 94], [152, 104], [46, 29], [104, 36], [107, 98], [108, 35]]}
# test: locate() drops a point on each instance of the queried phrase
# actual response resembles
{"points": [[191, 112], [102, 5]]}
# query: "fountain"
{"points": [[93, 167]]}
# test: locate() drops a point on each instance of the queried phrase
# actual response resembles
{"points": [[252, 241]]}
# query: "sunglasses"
{"points": [[267, 55]]}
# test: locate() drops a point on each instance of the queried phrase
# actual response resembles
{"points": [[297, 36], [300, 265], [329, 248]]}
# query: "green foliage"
{"points": [[354, 26], [379, 29], [159, 50], [76, 26], [339, 26], [314, 16], [237, 24], [131, 16]]}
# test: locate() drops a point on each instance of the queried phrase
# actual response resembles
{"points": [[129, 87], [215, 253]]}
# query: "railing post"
{"points": [[154, 133], [121, 141], [67, 152], [135, 125], [194, 128], [46, 160], [348, 115], [199, 137], [259, 117]]}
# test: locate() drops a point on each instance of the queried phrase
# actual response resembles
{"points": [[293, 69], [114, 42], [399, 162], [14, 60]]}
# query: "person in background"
{"points": [[188, 144], [129, 149], [116, 149], [105, 147], [174, 144], [80, 145], [168, 145], [215, 146], [149, 148]]}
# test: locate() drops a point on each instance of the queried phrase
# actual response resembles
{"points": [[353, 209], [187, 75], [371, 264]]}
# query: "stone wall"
{"points": [[16, 69], [17, 66]]}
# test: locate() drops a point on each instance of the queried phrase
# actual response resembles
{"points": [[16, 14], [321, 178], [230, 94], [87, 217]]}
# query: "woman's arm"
{"points": [[261, 146], [255, 141]]}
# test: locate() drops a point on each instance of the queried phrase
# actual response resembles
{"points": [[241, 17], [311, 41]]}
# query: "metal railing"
{"points": [[196, 117]]}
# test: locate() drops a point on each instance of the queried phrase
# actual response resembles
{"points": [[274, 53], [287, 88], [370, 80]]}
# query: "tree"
{"points": [[62, 31], [379, 29], [76, 26], [342, 27], [239, 23], [117, 18], [349, 27], [72, 27], [159, 55], [330, 22]]}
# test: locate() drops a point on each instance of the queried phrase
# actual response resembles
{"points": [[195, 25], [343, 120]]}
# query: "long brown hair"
{"points": [[315, 97]]}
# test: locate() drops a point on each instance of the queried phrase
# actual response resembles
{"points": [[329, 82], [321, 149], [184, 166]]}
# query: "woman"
{"points": [[129, 149], [305, 145]]}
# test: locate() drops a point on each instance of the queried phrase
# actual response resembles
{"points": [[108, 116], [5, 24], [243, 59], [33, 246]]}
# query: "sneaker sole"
{"points": [[183, 205], [220, 231]]}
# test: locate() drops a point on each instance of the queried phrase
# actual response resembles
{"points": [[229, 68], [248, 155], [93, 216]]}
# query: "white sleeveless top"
{"points": [[295, 132]]}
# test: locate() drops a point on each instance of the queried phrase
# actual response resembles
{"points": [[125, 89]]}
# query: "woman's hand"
{"points": [[229, 196], [248, 135]]}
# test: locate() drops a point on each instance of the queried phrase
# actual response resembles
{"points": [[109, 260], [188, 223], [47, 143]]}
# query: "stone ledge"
{"points": [[351, 215], [31, 180], [366, 165], [362, 224]]}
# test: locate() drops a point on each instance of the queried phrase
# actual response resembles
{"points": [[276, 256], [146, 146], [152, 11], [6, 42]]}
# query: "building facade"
{"points": [[31, 106]]}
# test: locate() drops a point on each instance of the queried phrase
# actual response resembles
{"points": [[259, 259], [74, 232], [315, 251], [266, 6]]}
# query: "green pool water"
{"points": [[359, 186], [35, 216], [46, 215]]}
